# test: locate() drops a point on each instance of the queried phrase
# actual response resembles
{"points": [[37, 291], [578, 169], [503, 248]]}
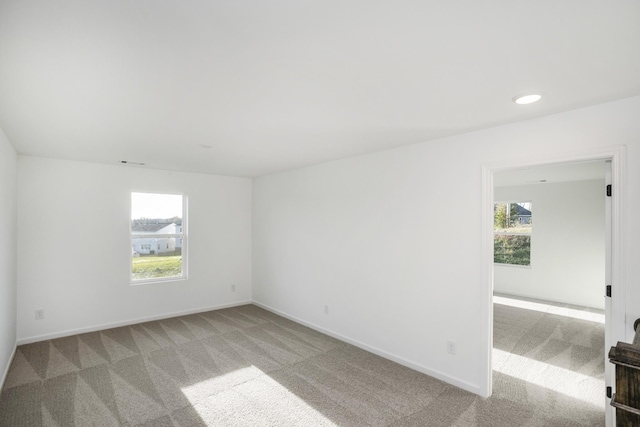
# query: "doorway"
{"points": [[614, 306]]}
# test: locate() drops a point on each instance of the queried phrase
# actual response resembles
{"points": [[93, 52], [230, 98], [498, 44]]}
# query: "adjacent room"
{"points": [[549, 300], [284, 213]]}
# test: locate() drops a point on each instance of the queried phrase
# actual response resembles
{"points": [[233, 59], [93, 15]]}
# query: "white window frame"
{"points": [[182, 235], [507, 233]]}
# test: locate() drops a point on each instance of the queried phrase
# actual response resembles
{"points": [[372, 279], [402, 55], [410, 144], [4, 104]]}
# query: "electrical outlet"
{"points": [[451, 347], [39, 314], [326, 309], [233, 288]]}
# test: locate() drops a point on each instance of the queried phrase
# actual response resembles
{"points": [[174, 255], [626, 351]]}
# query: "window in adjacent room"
{"points": [[512, 222], [158, 237]]}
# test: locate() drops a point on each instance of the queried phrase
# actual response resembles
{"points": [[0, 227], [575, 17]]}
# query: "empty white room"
{"points": [[317, 213]]}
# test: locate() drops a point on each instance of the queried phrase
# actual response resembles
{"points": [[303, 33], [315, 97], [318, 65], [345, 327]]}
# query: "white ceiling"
{"points": [[248, 87], [553, 173]]}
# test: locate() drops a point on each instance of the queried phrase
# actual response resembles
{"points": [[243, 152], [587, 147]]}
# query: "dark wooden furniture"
{"points": [[626, 398]]}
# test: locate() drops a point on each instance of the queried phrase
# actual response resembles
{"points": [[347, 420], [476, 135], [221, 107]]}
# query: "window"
{"points": [[512, 224], [158, 237]]}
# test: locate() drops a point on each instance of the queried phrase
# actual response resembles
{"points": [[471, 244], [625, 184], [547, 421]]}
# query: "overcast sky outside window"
{"points": [[153, 205]]}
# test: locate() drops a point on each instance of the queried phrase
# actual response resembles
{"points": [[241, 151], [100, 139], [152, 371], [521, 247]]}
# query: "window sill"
{"points": [[498, 264], [160, 280]]}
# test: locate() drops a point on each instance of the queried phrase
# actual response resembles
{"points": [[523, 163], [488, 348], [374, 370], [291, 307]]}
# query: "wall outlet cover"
{"points": [[451, 347]]}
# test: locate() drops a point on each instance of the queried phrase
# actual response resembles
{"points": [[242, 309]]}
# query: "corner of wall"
{"points": [[9, 362], [8, 254]]}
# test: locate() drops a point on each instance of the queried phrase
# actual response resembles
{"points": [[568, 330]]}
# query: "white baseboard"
{"points": [[104, 326], [6, 369], [472, 388]]}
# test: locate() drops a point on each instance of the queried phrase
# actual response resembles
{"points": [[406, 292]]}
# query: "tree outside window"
{"points": [[512, 224]]}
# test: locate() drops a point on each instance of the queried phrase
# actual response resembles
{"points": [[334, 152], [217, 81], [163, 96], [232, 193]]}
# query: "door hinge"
{"points": [[609, 190], [608, 290], [609, 392]]}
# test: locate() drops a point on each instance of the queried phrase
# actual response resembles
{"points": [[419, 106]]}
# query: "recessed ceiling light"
{"points": [[527, 99]]}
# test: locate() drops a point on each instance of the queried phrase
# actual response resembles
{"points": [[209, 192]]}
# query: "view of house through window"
{"points": [[158, 238], [512, 233]]}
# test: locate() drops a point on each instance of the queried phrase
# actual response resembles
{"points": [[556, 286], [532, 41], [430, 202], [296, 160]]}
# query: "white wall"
{"points": [[392, 241], [8, 280], [567, 246], [74, 249]]}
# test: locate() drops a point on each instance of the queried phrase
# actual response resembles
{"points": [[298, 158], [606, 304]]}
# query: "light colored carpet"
{"points": [[245, 366]]}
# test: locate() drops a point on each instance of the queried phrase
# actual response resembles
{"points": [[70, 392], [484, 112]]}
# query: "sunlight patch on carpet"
{"points": [[572, 384], [551, 309], [248, 396]]}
